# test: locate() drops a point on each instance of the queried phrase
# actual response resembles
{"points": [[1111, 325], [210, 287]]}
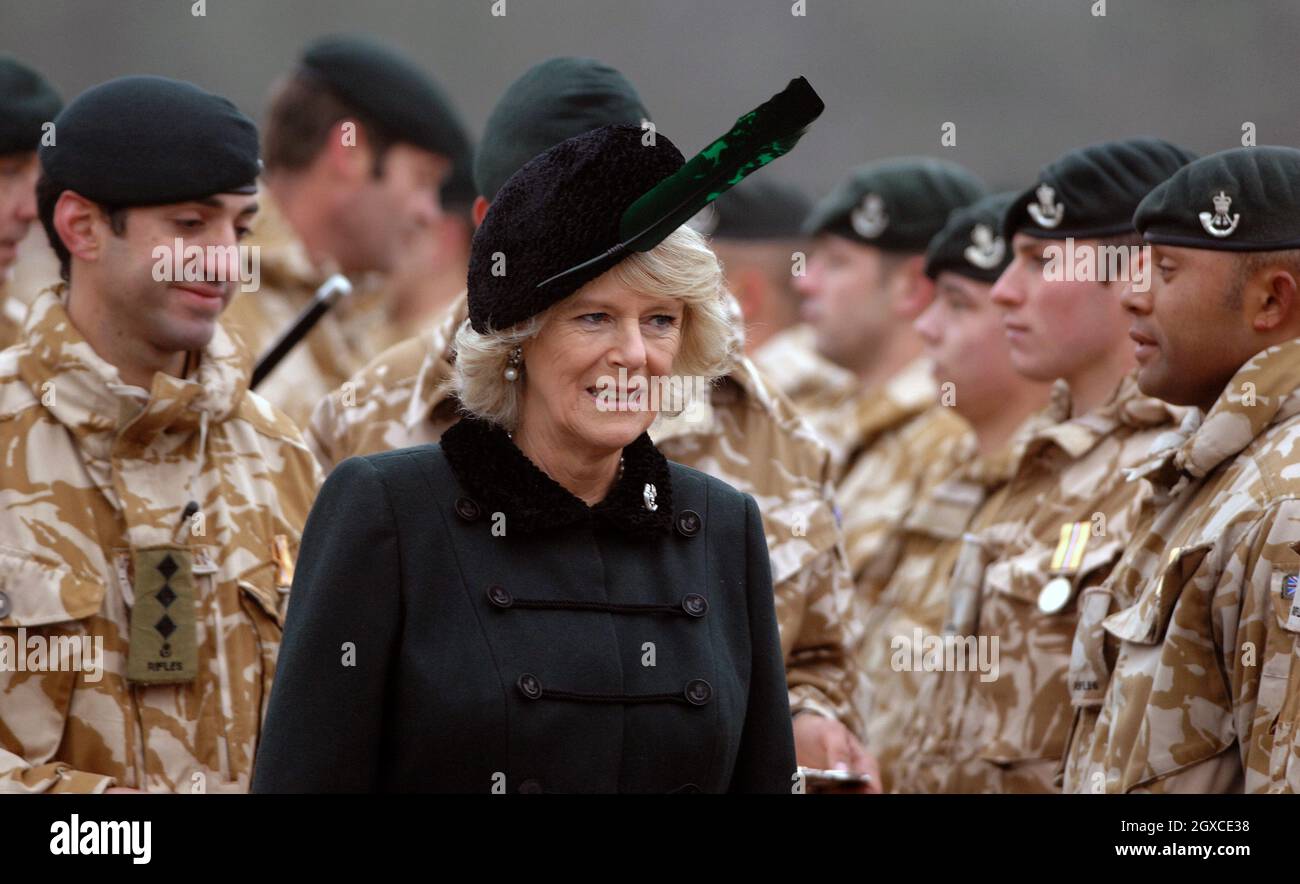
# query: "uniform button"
{"points": [[530, 787], [688, 523], [5, 605], [698, 692], [467, 509], [529, 686], [695, 605], [499, 597]]}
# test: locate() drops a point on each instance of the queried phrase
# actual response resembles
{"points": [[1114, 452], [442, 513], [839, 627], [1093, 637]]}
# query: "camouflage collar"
{"points": [[492, 469], [1127, 407], [908, 393], [1262, 393], [89, 397]]}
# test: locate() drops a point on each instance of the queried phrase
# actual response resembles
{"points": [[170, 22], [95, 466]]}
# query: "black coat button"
{"points": [[499, 596], [695, 605], [467, 509], [530, 787], [529, 686], [689, 523], [5, 605], [698, 692]]}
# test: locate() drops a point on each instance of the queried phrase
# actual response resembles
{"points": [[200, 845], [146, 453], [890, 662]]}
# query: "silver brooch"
{"points": [[1219, 224], [1046, 213], [870, 219], [986, 251], [649, 495]]}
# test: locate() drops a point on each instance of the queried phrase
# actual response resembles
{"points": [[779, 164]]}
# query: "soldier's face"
{"points": [[173, 313], [845, 298], [1056, 327], [963, 336], [384, 212], [18, 174], [1190, 329], [585, 341]]}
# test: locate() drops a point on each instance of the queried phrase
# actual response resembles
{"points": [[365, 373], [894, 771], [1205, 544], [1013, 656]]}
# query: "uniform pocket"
{"points": [[48, 645], [40, 591]]}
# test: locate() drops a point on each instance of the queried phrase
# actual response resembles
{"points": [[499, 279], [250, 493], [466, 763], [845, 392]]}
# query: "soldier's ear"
{"points": [[81, 224], [479, 210], [347, 152], [915, 289], [1275, 302]]}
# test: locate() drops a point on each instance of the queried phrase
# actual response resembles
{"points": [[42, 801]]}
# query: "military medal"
{"points": [[163, 633], [1058, 591]]}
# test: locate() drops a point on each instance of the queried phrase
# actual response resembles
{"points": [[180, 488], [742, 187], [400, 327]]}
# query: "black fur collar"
{"points": [[501, 478]]}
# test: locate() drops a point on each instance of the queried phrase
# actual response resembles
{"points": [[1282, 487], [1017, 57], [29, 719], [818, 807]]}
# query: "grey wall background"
{"points": [[1023, 80]]}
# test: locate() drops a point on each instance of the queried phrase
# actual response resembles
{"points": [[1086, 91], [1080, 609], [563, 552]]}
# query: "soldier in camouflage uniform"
{"points": [[358, 143], [1185, 676], [745, 433], [963, 335], [27, 102], [1060, 522], [150, 506], [865, 285]]}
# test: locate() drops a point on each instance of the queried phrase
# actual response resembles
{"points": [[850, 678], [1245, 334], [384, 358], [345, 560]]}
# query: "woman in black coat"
{"points": [[542, 602]]}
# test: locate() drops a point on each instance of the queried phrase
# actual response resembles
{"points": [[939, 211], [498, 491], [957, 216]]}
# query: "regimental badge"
{"points": [[648, 494], [1046, 212], [1218, 224], [705, 221], [985, 251], [870, 219]]}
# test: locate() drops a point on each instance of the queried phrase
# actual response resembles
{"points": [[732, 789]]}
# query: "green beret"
{"points": [[563, 205], [390, 89], [1241, 200], [971, 243], [141, 141], [755, 210], [551, 102], [27, 102], [897, 205], [1092, 192]]}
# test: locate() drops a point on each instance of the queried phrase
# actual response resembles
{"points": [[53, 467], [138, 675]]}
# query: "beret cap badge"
{"points": [[986, 251], [1047, 213], [870, 219], [1218, 224]]}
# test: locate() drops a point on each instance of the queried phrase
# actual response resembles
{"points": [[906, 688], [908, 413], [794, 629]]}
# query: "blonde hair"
{"points": [[682, 266]]}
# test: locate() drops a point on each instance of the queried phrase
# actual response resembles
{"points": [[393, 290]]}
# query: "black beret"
{"points": [[1092, 191], [756, 209], [27, 102], [1241, 200], [390, 89], [563, 206], [140, 141], [971, 243], [552, 101], [896, 205]]}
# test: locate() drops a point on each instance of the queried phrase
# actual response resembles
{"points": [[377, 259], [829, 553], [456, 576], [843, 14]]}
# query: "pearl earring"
{"points": [[515, 359]]}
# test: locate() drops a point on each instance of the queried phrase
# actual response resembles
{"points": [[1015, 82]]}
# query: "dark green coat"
{"points": [[606, 649]]}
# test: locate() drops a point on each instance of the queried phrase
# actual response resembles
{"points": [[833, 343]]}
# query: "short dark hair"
{"points": [[1250, 263], [47, 196], [303, 111]]}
